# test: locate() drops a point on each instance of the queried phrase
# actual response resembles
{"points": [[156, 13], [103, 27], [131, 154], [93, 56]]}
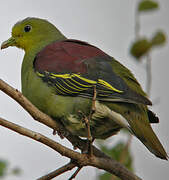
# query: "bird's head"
{"points": [[31, 33]]}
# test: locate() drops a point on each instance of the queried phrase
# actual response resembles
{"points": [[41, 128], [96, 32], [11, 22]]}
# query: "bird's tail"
{"points": [[147, 136], [137, 119]]}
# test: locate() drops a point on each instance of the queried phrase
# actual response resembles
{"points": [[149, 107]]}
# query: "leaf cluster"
{"points": [[139, 48], [143, 45], [6, 171], [121, 153]]}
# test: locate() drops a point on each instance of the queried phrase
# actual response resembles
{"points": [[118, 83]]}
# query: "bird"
{"points": [[60, 76]]}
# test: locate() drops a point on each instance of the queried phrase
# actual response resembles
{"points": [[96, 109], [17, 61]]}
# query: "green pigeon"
{"points": [[60, 76]]}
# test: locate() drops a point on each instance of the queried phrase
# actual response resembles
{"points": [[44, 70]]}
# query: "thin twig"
{"points": [[89, 136], [137, 25], [75, 173], [94, 99], [149, 74], [125, 149], [87, 122], [148, 58], [57, 172]]}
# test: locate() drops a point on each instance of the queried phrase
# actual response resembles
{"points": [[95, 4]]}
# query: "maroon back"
{"points": [[66, 56]]}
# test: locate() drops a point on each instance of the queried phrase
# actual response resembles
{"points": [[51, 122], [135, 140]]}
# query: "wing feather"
{"points": [[74, 84], [74, 68]]}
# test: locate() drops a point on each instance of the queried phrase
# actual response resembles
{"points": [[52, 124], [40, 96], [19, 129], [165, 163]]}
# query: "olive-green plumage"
{"points": [[62, 93]]}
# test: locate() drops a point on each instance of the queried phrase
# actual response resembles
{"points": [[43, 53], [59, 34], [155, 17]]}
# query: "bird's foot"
{"points": [[54, 132], [61, 133]]}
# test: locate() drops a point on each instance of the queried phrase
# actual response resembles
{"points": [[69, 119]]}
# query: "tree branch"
{"points": [[57, 172], [64, 151], [98, 160]]}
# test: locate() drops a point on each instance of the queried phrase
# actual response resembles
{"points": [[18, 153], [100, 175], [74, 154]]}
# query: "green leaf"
{"points": [[140, 48], [158, 39], [147, 5], [105, 176], [3, 168], [16, 171], [117, 152]]}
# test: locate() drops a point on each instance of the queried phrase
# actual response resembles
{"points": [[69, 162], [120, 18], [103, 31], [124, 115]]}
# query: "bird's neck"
{"points": [[37, 47], [30, 55]]}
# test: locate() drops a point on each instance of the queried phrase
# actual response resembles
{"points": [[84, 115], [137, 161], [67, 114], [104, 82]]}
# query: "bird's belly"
{"points": [[103, 123]]}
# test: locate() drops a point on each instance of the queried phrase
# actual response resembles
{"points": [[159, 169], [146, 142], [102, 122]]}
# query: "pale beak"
{"points": [[10, 42]]}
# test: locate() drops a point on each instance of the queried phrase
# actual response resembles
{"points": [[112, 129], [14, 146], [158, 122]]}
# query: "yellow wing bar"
{"points": [[68, 76], [107, 85], [69, 84]]}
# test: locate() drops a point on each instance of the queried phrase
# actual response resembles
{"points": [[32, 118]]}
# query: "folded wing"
{"points": [[74, 68]]}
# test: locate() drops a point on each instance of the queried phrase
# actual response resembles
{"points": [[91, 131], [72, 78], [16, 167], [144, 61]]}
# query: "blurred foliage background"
{"points": [[6, 170], [140, 49]]}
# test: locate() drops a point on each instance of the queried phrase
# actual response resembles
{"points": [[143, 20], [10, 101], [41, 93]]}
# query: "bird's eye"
{"points": [[27, 28]]}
